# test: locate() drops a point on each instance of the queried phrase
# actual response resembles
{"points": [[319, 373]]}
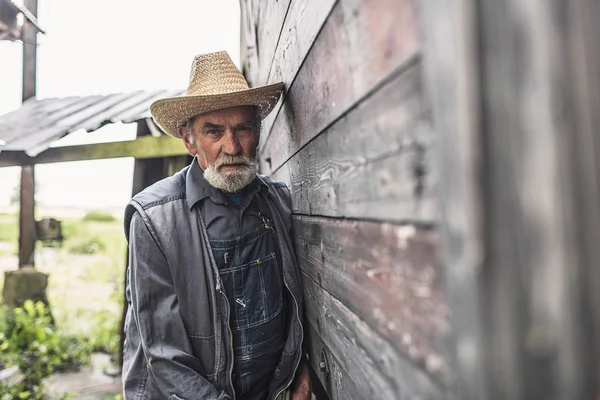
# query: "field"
{"points": [[86, 272]]}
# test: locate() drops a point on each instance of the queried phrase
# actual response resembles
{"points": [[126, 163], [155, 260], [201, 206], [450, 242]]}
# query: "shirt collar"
{"points": [[198, 188]]}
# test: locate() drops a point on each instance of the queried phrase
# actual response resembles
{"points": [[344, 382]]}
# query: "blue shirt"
{"points": [[238, 199]]}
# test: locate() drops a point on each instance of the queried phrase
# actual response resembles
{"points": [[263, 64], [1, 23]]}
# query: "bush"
{"points": [[99, 216], [89, 246], [30, 340], [105, 336]]}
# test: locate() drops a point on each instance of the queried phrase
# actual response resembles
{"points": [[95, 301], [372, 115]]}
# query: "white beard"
{"points": [[231, 181]]}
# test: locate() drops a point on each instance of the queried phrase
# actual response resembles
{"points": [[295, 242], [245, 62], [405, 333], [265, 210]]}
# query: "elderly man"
{"points": [[215, 302]]}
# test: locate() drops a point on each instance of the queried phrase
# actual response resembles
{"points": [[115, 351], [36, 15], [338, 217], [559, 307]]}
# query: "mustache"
{"points": [[227, 159]]}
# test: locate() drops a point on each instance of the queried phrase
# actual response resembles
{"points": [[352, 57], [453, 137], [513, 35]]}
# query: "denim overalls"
{"points": [[250, 269]]}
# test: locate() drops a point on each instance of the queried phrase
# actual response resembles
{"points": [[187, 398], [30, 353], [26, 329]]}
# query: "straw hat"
{"points": [[215, 83]]}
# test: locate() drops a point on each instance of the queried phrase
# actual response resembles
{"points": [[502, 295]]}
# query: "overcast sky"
{"points": [[107, 46]]}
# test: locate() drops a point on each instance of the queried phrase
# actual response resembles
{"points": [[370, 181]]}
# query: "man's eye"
{"points": [[214, 132]]}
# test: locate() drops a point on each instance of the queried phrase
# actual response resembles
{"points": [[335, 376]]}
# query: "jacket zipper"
{"points": [[270, 226], [301, 340], [219, 288]]}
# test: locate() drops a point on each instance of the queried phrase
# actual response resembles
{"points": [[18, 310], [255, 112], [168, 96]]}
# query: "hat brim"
{"points": [[173, 112]]}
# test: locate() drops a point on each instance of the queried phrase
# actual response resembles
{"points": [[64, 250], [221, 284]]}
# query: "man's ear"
{"points": [[187, 141], [182, 132]]}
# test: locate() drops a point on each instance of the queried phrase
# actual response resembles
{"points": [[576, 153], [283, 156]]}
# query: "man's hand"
{"points": [[301, 384]]}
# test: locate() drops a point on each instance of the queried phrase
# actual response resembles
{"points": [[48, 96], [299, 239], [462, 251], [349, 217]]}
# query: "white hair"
{"points": [[231, 181]]}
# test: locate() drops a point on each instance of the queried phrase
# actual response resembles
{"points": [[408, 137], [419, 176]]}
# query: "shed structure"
{"points": [[442, 157], [27, 134]]}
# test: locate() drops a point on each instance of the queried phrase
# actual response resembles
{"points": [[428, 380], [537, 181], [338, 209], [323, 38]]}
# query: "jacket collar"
{"points": [[197, 188]]}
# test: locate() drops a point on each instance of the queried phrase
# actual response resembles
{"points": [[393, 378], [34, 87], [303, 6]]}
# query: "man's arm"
{"points": [[155, 312]]}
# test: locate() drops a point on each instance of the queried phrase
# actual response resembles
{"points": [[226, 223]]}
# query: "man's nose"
{"points": [[231, 146]]}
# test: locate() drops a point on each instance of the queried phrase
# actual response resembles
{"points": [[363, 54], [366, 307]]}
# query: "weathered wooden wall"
{"points": [[515, 89], [353, 139]]}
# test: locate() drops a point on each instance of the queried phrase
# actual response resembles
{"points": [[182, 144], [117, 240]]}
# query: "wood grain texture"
{"points": [[140, 148], [520, 194], [336, 382], [535, 341], [303, 22], [389, 275], [584, 152], [376, 162], [302, 25], [272, 15], [248, 41], [361, 43], [451, 63], [376, 369], [261, 24]]}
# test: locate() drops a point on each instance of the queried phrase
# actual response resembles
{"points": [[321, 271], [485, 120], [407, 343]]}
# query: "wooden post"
{"points": [[29, 36], [27, 236]]}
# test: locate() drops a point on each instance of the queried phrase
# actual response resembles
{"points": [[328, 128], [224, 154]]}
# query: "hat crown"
{"points": [[215, 73]]}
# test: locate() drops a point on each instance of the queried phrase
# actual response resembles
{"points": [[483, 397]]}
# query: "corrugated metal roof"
{"points": [[38, 123]]}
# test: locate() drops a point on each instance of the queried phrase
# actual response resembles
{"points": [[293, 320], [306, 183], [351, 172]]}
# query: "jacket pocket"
{"points": [[203, 348]]}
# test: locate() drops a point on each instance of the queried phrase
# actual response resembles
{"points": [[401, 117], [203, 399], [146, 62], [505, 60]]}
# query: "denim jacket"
{"points": [[178, 345]]}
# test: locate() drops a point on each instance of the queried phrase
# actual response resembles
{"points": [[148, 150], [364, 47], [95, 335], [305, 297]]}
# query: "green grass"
{"points": [[109, 235], [86, 274], [9, 236], [99, 216], [9, 227]]}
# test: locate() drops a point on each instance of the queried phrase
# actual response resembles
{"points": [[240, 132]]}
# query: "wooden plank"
{"points": [[534, 276], [376, 162], [389, 275], [142, 147], [450, 60], [302, 24], [521, 196], [263, 21], [248, 41], [376, 369], [335, 381], [361, 44], [270, 22], [584, 150]]}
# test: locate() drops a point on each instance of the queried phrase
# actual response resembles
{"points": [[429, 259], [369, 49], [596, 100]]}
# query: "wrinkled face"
{"points": [[225, 142]]}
